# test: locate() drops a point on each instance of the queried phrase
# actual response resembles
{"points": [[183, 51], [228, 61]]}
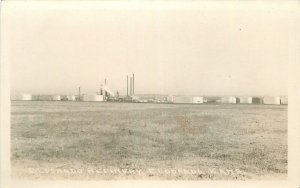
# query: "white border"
{"points": [[293, 108]]}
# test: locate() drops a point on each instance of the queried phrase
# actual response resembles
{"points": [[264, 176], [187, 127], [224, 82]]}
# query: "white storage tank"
{"points": [[271, 100], [25, 97], [93, 98], [135, 98], [245, 100], [170, 98], [198, 100], [182, 99], [71, 97], [56, 98], [283, 100], [230, 100]]}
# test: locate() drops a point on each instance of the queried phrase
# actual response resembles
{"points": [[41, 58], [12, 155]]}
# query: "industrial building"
{"points": [[271, 100]]}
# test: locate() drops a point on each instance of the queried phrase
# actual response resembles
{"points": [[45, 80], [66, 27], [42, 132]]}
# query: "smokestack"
{"points": [[105, 81], [130, 86], [79, 93], [133, 83], [127, 86]]}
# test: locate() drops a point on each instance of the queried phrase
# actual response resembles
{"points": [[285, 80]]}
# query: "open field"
{"points": [[81, 140]]}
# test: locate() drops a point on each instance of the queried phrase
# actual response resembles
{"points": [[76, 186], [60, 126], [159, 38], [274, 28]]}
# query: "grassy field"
{"points": [[82, 140]]}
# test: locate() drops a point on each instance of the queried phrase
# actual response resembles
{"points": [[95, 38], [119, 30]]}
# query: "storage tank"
{"points": [[212, 99], [170, 98], [25, 97], [198, 100], [271, 100], [56, 98], [232, 100], [283, 100], [45, 97], [245, 100], [93, 98], [257, 100], [229, 100], [71, 97], [182, 99]]}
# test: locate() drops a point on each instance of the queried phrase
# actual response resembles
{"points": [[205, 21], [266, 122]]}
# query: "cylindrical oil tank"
{"points": [[26, 97], [283, 100], [71, 97], [198, 100], [183, 99], [257, 100], [56, 98], [93, 98], [245, 100], [230, 100], [271, 100]]}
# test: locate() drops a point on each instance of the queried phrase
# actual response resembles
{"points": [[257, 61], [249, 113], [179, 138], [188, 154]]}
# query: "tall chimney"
{"points": [[133, 83], [127, 86], [130, 86], [79, 93], [105, 92]]}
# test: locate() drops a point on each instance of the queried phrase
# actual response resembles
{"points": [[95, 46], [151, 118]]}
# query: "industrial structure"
{"points": [[198, 100], [22, 97], [257, 100], [105, 94], [229, 100], [56, 98], [185, 99], [130, 85], [245, 100], [71, 97], [93, 98], [271, 100], [283, 100]]}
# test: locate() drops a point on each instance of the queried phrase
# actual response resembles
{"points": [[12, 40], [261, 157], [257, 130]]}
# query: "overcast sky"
{"points": [[197, 50]]}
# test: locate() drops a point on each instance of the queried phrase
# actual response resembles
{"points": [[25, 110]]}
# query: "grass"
{"points": [[77, 135]]}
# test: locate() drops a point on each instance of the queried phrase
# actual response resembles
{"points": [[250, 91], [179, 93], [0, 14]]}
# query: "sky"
{"points": [[193, 50]]}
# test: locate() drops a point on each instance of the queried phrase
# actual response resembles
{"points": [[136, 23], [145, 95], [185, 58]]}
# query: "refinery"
{"points": [[105, 94]]}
